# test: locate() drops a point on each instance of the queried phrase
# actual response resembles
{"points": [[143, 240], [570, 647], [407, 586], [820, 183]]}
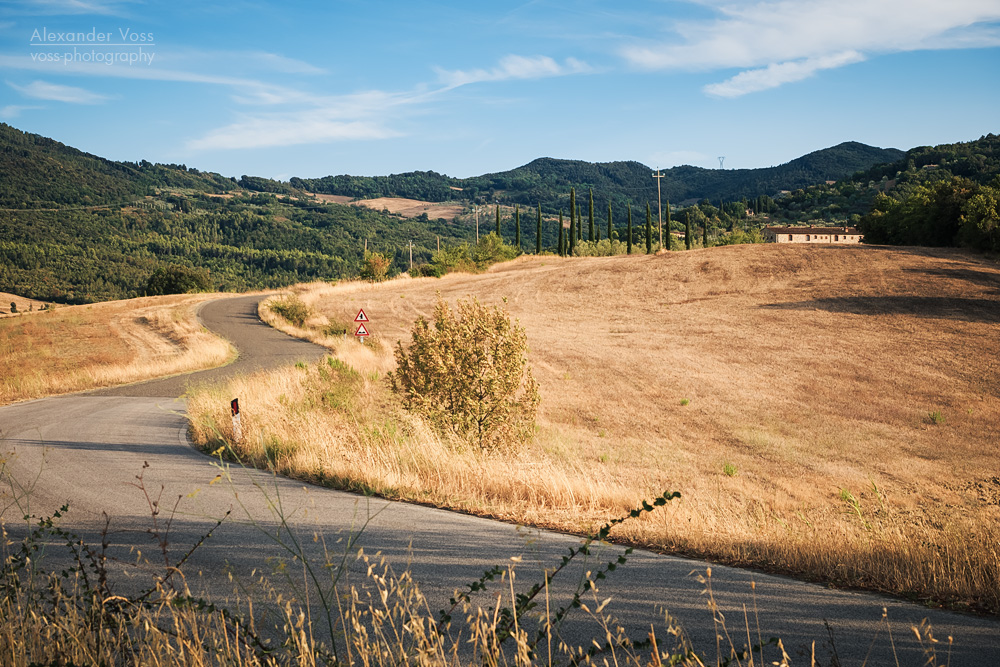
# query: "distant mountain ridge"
{"points": [[41, 172], [547, 180]]}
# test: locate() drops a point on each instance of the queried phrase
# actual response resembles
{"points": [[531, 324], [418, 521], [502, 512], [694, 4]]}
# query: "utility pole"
{"points": [[411, 255], [659, 203], [477, 224]]}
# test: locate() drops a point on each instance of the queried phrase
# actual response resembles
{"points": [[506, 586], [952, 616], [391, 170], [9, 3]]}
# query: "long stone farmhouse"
{"points": [[812, 235]]}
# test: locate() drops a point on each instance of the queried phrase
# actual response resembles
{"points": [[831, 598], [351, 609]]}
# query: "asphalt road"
{"points": [[89, 448]]}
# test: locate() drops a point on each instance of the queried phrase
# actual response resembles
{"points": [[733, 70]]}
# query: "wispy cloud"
{"points": [[66, 7], [774, 75], [245, 90], [789, 40], [14, 110], [259, 62], [514, 67], [43, 90], [311, 117], [323, 119], [290, 129]]}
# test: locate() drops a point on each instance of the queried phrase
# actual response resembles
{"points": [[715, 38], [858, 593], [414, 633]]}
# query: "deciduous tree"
{"points": [[467, 373]]}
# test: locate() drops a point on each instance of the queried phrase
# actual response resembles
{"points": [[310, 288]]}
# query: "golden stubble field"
{"points": [[72, 348], [827, 411]]}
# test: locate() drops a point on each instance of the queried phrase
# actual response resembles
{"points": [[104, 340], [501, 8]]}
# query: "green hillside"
{"points": [[39, 172], [77, 228]]}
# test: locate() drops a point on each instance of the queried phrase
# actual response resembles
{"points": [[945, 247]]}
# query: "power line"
{"points": [[659, 202]]}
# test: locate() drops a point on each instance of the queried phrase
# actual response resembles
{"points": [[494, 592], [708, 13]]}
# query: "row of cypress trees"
{"points": [[567, 239]]}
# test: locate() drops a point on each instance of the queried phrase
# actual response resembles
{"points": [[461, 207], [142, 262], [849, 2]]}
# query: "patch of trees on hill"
{"points": [[933, 195], [244, 242], [953, 212]]}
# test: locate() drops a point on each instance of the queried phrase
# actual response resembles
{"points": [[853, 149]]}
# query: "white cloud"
{"points": [[788, 40], [68, 7], [248, 91], [227, 61], [306, 127], [514, 67], [43, 90], [776, 74], [14, 110], [312, 118], [324, 119]]}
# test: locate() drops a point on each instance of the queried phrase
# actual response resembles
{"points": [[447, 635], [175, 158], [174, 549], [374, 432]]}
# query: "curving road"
{"points": [[88, 449]]}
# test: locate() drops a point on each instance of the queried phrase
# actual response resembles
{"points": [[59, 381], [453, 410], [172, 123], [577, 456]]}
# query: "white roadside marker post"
{"points": [[234, 405]]}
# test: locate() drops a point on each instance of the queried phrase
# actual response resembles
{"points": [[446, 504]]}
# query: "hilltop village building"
{"points": [[812, 235]]}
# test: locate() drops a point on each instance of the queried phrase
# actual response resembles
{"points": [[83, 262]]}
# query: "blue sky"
{"points": [[284, 89]]}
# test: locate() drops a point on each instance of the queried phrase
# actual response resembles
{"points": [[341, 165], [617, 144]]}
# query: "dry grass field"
{"points": [[72, 348], [831, 412], [23, 305], [331, 199], [411, 208]]}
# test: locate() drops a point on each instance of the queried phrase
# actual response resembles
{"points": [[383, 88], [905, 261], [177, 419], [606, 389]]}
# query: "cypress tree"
{"points": [[572, 235], [611, 226], [704, 235], [572, 206], [562, 243], [687, 229], [579, 224], [538, 231], [517, 226], [649, 230], [629, 237], [666, 242], [498, 219], [592, 214]]}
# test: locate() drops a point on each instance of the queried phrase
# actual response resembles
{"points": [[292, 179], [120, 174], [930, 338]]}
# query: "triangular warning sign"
{"points": [[361, 316], [361, 331]]}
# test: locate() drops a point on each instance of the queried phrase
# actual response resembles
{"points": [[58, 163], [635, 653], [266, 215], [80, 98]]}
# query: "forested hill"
{"points": [[977, 160], [39, 172], [547, 180], [78, 228]]}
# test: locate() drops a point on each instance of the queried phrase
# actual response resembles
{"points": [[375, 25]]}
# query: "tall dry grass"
{"points": [[330, 423], [72, 348], [63, 602], [827, 412]]}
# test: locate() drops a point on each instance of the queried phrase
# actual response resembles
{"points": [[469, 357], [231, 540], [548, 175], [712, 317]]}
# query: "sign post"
{"points": [[362, 331]]}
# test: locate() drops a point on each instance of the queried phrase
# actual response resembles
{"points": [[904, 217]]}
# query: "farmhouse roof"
{"points": [[813, 230]]}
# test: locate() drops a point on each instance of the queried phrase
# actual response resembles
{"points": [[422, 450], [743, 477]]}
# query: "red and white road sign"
{"points": [[361, 331], [361, 317]]}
